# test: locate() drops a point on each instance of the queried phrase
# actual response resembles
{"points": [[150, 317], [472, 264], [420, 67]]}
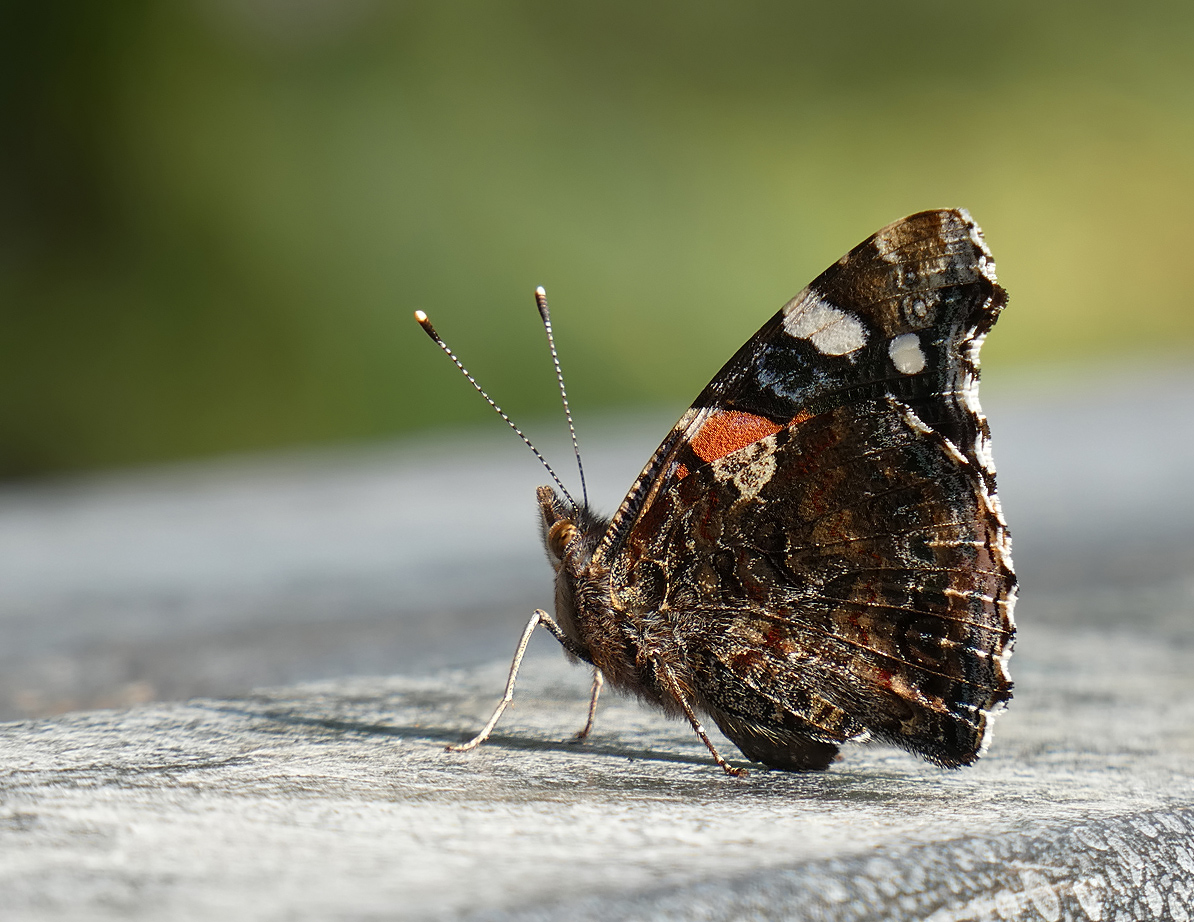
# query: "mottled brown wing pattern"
{"points": [[821, 528]]}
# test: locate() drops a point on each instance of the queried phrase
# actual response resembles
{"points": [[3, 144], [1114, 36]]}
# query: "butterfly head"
{"points": [[570, 533]]}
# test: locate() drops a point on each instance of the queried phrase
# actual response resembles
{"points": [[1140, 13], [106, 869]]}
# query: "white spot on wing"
{"points": [[830, 329], [906, 354]]}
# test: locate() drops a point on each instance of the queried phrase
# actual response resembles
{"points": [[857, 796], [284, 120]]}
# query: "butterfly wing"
{"points": [[821, 527]]}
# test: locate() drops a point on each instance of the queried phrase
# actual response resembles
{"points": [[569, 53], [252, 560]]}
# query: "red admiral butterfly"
{"points": [[816, 552]]}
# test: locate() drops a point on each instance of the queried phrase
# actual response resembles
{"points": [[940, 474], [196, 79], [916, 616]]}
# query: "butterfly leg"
{"points": [[674, 688], [538, 618], [598, 681]]}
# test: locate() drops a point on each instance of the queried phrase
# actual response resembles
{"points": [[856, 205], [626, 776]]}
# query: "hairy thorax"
{"points": [[623, 644]]}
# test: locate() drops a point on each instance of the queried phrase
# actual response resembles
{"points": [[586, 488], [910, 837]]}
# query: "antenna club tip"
{"points": [[422, 320], [540, 292]]}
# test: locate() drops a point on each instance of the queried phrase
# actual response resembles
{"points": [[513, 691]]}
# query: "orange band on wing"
{"points": [[727, 431]]}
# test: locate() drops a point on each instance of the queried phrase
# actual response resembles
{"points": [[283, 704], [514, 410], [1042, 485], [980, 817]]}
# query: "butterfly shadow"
{"points": [[450, 736]]}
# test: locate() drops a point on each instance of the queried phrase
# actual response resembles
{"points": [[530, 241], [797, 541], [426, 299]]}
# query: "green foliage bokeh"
{"points": [[216, 217]]}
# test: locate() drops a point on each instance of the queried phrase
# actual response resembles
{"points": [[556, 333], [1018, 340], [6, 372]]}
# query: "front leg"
{"points": [[538, 618]]}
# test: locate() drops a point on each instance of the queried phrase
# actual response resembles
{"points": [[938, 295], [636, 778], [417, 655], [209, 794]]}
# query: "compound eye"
{"points": [[560, 537]]}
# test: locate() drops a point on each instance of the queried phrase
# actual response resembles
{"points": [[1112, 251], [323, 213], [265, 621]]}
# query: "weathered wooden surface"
{"points": [[336, 799]]}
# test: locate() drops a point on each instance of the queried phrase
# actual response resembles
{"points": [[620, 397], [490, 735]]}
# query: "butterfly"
{"points": [[816, 553]]}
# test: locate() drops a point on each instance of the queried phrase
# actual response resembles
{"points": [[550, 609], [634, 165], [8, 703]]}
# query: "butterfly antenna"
{"points": [[541, 300], [430, 331]]}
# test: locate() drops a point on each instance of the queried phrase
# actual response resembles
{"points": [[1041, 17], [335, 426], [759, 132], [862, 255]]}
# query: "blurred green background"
{"points": [[216, 216]]}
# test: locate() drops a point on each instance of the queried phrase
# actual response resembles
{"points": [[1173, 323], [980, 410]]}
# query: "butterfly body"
{"points": [[816, 552]]}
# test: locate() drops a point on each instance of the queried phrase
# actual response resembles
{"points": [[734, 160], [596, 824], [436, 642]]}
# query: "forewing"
{"points": [[904, 314]]}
